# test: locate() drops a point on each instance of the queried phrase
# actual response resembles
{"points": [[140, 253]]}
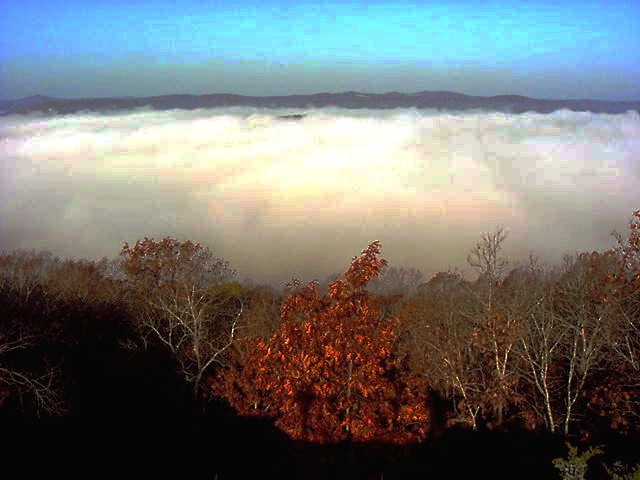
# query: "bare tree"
{"points": [[627, 339], [197, 325], [574, 320], [629, 249], [26, 270], [441, 344], [467, 334], [184, 299], [22, 274], [540, 342], [39, 387], [485, 255], [585, 318], [496, 324], [82, 280]]}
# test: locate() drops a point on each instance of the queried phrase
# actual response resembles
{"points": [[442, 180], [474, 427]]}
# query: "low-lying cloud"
{"points": [[282, 198]]}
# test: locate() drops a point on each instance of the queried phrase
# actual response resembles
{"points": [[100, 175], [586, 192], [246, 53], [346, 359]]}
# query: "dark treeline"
{"points": [[160, 359]]}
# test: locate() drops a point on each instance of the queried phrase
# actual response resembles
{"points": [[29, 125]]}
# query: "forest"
{"points": [[158, 360]]}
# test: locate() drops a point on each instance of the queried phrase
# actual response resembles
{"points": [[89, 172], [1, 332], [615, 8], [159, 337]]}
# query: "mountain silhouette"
{"points": [[440, 100]]}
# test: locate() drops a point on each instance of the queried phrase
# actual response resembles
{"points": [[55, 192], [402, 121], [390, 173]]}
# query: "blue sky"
{"points": [[544, 49]]}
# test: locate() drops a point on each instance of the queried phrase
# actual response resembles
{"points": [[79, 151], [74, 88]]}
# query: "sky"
{"points": [[280, 199], [537, 48]]}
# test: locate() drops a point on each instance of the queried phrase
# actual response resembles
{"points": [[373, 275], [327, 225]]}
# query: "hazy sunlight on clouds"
{"points": [[281, 198]]}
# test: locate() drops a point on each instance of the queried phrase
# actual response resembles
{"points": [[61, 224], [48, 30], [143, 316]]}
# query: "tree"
{"points": [[396, 280], [154, 263], [463, 336], [580, 300], [184, 300], [442, 345], [41, 386], [539, 345], [329, 373], [627, 343], [496, 325], [576, 331], [82, 281], [261, 314], [485, 255], [575, 465], [616, 397], [26, 270], [565, 337], [27, 373]]}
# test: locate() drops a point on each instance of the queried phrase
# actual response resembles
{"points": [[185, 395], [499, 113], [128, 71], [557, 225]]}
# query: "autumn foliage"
{"points": [[154, 263], [372, 356], [329, 373]]}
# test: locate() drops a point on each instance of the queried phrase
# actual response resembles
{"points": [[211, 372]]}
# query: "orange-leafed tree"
{"points": [[329, 374]]}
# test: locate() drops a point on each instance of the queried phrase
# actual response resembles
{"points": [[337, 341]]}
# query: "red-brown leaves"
{"points": [[154, 263], [329, 373], [366, 266]]}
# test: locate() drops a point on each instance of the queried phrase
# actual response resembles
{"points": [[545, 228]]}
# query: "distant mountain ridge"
{"points": [[441, 100]]}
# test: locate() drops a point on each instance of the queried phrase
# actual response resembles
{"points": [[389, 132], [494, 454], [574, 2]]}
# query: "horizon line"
{"points": [[309, 94]]}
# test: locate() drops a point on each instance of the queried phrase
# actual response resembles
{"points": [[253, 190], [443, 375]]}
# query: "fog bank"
{"points": [[282, 198]]}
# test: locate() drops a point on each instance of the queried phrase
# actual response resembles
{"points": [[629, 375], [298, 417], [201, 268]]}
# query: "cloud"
{"points": [[281, 198]]}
